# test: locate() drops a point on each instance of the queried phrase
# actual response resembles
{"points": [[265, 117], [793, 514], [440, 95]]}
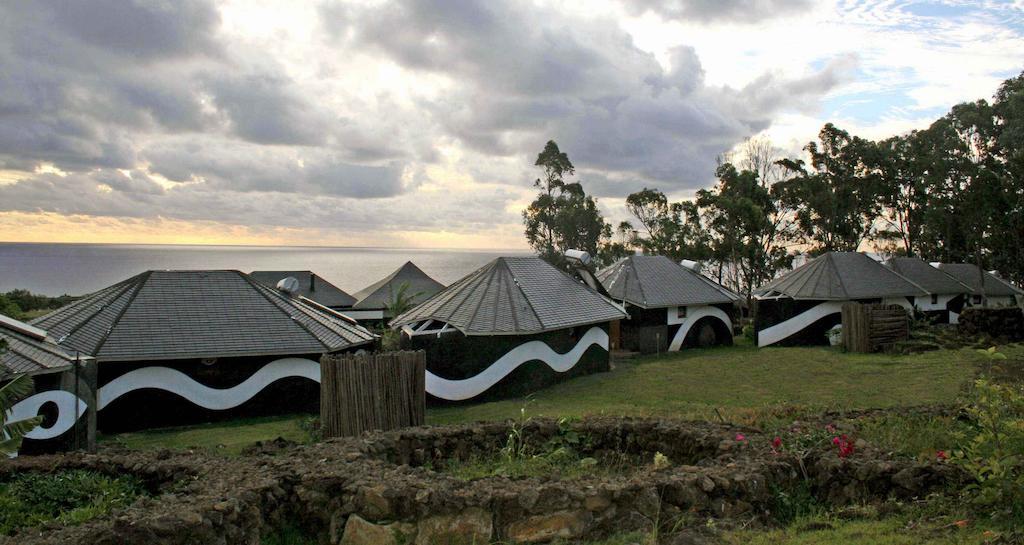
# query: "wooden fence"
{"points": [[363, 392], [867, 328]]}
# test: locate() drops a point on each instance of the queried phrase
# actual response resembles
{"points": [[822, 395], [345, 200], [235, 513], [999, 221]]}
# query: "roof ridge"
{"points": [[68, 309], [480, 300], [526, 296], [256, 286], [839, 277], [639, 283], [512, 307], [144, 277]]}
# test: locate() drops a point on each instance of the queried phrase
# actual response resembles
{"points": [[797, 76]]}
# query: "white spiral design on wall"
{"points": [[692, 316], [216, 399], [458, 390], [29, 408], [782, 330]]}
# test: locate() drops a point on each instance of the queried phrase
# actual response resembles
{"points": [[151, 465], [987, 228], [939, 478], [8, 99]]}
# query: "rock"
{"points": [[596, 503], [706, 484], [373, 503], [472, 526], [910, 478], [360, 532], [542, 528]]}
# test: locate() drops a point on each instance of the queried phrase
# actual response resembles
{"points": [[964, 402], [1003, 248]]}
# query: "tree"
{"points": [[401, 301], [903, 193], [10, 308], [835, 199], [740, 214], [11, 433], [673, 230], [563, 216]]}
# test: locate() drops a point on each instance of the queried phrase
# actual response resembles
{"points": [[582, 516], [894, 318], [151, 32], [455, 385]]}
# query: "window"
{"points": [[935, 299], [680, 312], [977, 299]]}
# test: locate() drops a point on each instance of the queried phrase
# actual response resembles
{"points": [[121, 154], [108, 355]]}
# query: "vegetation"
{"points": [[992, 451], [11, 433], [951, 192], [769, 387], [68, 497], [25, 305], [563, 216], [223, 437]]}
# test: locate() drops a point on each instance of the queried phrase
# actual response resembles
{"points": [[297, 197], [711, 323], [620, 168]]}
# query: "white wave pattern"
{"points": [[782, 330], [691, 318], [29, 408], [458, 390], [217, 399]]}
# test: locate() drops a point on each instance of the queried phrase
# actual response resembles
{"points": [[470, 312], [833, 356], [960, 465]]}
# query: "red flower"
{"points": [[941, 455], [777, 442], [836, 440]]}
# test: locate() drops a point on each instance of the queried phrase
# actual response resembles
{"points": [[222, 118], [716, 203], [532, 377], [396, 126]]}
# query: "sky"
{"points": [[416, 123]]}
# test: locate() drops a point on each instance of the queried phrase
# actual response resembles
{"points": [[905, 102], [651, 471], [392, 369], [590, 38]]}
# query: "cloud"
{"points": [[706, 11], [519, 75]]}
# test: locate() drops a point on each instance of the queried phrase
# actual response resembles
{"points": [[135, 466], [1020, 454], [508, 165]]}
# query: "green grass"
{"points": [[226, 437], [738, 382], [828, 531], [68, 497]]}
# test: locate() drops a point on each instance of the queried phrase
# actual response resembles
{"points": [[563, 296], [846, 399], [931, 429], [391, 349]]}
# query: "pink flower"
{"points": [[740, 437], [836, 440], [777, 442], [830, 428]]}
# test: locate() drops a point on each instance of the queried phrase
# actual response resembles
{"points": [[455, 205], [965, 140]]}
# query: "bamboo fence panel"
{"points": [[868, 328], [364, 392]]}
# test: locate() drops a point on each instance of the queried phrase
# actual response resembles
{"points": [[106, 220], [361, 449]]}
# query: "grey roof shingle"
{"points": [[650, 281], [515, 296], [161, 315], [379, 294], [930, 278], [970, 275], [841, 276], [311, 286], [28, 352]]}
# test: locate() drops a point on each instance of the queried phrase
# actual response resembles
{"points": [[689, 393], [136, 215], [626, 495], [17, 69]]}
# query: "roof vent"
{"points": [[694, 266], [289, 285]]}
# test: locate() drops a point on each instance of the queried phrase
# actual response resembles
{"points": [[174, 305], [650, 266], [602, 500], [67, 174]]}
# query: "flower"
{"points": [[835, 440], [777, 442], [941, 455], [741, 437]]}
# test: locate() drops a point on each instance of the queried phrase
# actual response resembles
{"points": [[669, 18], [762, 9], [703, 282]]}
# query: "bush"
{"points": [[68, 497], [993, 451]]}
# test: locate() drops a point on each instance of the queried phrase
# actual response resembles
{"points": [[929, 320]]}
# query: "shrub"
{"points": [[69, 497], [992, 452]]}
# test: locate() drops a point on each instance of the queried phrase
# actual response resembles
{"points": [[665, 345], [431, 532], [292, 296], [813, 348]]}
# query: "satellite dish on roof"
{"points": [[289, 285]]}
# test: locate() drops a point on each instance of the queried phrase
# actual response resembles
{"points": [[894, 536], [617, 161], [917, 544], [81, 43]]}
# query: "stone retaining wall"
{"points": [[380, 488]]}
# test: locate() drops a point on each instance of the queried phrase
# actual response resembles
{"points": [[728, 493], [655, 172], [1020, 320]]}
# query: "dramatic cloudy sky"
{"points": [[415, 123]]}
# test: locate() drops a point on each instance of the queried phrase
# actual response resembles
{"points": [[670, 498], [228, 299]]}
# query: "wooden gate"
{"points": [[867, 328], [364, 392]]}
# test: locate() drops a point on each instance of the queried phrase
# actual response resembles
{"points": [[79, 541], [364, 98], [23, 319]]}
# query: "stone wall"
{"points": [[381, 489], [999, 323]]}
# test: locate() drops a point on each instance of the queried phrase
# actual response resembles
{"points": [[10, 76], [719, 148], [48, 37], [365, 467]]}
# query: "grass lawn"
{"points": [[742, 384], [738, 381]]}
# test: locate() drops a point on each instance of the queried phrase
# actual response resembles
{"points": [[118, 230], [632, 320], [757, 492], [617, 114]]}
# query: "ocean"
{"points": [[77, 269]]}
